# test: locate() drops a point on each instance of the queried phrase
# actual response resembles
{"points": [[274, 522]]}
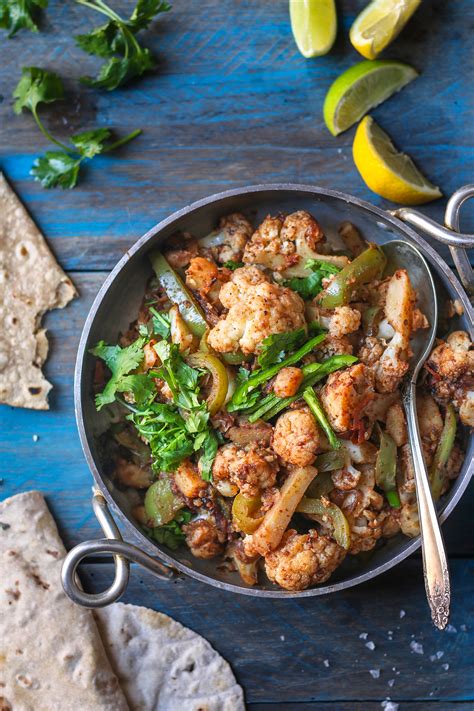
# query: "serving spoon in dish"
{"points": [[402, 255]]}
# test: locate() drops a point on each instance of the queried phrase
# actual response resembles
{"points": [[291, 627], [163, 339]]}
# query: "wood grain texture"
{"points": [[277, 647], [231, 103], [55, 463]]}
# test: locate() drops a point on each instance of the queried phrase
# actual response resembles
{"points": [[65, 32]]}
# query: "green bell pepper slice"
{"points": [[316, 408], [444, 449], [331, 512], [367, 267], [386, 469]]}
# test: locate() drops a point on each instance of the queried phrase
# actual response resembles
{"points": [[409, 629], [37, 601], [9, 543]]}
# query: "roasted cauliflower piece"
{"points": [[287, 382], [345, 396], [399, 309], [180, 256], [246, 567], [247, 469], [204, 538], [339, 322], [296, 437], [302, 560], [229, 242], [451, 374], [280, 243], [395, 424], [188, 481], [257, 309]]}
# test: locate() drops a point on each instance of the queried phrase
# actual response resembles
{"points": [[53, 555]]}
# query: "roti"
{"points": [[56, 656], [31, 283], [163, 666], [51, 654]]}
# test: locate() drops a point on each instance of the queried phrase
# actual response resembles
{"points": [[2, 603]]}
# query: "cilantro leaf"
{"points": [[121, 362], [161, 323], [18, 14], [115, 40], [233, 265], [91, 143], [171, 534], [56, 169], [145, 11], [209, 451], [274, 348], [165, 431], [36, 86], [308, 287]]}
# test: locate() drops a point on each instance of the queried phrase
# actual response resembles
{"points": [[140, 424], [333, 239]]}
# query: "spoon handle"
{"points": [[435, 564]]}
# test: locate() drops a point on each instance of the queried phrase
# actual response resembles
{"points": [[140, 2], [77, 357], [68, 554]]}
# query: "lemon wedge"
{"points": [[386, 171], [314, 26], [379, 24]]}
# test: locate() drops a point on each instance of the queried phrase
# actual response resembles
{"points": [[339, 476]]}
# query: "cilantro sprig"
{"points": [[171, 534], [115, 41], [20, 14], [308, 287], [59, 168], [121, 362]]}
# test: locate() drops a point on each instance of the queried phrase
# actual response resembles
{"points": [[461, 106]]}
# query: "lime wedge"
{"points": [[379, 23], [386, 171], [361, 88], [314, 25]]}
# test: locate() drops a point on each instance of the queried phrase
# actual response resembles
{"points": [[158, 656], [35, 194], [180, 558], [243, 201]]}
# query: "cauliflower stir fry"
{"points": [[260, 389]]}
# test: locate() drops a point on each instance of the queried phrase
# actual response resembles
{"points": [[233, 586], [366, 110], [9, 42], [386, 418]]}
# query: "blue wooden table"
{"points": [[233, 103]]}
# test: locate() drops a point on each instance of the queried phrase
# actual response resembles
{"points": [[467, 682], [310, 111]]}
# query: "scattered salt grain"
{"points": [[363, 635], [370, 645], [282, 637], [390, 632], [438, 655], [402, 614], [451, 629], [374, 673], [389, 705], [416, 647], [463, 628], [445, 667], [326, 663], [391, 682], [35, 438]]}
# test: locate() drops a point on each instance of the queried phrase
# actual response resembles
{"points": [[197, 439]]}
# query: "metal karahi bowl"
{"points": [[117, 304]]}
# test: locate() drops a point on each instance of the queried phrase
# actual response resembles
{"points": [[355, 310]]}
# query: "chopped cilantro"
{"points": [[308, 287], [171, 534], [233, 265], [121, 362]]}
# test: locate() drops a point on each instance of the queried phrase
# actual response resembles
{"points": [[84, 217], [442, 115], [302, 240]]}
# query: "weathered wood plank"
{"points": [[362, 706], [55, 463], [278, 647], [232, 103]]}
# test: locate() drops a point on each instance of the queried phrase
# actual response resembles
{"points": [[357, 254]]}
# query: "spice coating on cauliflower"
{"points": [[451, 374], [250, 469], [288, 381], [204, 538], [257, 309], [302, 560], [345, 394], [235, 230], [296, 438], [281, 243]]}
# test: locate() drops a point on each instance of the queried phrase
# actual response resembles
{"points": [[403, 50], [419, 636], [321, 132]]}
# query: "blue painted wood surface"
{"points": [[233, 103]]}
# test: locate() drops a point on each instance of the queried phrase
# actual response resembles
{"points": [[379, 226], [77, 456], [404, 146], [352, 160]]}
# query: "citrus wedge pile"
{"points": [[361, 88], [386, 171], [379, 23], [314, 25]]}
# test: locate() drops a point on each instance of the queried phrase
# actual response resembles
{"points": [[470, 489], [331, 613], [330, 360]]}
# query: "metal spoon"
{"points": [[402, 255]]}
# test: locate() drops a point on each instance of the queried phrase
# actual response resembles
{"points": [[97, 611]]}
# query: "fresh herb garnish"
{"points": [[18, 14], [161, 323], [121, 362], [59, 168], [171, 534], [116, 42], [233, 265], [308, 287], [274, 348]]}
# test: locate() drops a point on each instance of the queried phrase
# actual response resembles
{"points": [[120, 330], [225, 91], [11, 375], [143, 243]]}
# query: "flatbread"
{"points": [[31, 283], [163, 666], [51, 654]]}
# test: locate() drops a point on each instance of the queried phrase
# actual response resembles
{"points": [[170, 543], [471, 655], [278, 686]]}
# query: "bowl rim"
{"points": [[136, 535]]}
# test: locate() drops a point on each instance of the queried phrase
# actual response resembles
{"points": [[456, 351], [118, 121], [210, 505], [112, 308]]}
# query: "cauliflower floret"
{"points": [[332, 346], [246, 567], [399, 308], [281, 243], [180, 256], [296, 438], [395, 424], [339, 322], [451, 379], [204, 538], [287, 382], [233, 233], [248, 469], [409, 519], [430, 423], [303, 560], [257, 309], [345, 395]]}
